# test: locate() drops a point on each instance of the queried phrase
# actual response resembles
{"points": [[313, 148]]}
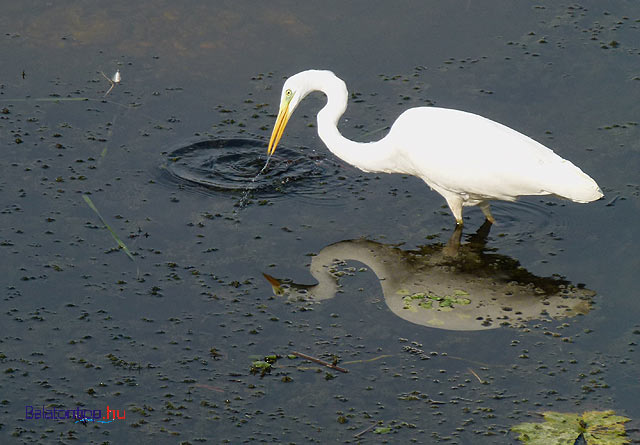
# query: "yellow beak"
{"points": [[281, 122]]}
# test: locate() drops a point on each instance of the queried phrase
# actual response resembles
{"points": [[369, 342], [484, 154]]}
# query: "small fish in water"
{"points": [[116, 78]]}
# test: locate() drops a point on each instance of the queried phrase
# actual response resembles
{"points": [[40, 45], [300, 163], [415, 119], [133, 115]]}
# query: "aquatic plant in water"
{"points": [[595, 428]]}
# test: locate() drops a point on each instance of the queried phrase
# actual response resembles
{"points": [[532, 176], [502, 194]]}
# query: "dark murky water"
{"points": [[170, 337]]}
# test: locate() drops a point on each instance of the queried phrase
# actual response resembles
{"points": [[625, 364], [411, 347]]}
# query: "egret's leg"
{"points": [[455, 204], [484, 206]]}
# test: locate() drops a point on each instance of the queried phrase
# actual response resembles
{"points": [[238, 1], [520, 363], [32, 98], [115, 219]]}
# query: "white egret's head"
{"points": [[294, 90], [292, 94]]}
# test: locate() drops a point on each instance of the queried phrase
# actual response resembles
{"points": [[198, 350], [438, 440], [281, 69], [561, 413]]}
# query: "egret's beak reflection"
{"points": [[281, 122]]}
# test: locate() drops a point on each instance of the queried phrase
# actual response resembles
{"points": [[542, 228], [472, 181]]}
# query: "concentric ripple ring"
{"points": [[232, 165]]}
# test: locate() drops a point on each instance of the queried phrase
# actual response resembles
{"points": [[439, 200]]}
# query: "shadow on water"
{"points": [[450, 286]]}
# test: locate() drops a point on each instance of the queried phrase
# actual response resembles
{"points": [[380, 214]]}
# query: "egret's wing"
{"points": [[468, 154]]}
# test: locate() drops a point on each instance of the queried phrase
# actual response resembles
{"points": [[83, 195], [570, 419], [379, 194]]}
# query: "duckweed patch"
{"points": [[423, 300], [260, 367], [594, 427]]}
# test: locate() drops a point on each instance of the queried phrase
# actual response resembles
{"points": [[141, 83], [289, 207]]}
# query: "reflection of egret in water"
{"points": [[454, 286], [232, 165]]}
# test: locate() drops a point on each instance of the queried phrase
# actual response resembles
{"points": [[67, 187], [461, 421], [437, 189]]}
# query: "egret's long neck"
{"points": [[370, 157]]}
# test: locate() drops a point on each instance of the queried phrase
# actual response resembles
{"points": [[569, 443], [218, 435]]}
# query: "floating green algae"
{"points": [[595, 427]]}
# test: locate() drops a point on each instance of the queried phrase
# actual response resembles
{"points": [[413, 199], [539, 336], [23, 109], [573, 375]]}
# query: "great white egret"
{"points": [[466, 158]]}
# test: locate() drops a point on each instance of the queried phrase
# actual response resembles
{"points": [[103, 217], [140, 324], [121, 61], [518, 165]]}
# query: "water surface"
{"points": [[171, 336]]}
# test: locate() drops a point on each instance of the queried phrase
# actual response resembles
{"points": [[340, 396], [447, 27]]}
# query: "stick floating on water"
{"points": [[477, 376], [320, 362], [369, 428]]}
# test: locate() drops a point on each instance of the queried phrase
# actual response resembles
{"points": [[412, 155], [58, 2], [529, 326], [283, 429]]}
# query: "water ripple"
{"points": [[231, 165]]}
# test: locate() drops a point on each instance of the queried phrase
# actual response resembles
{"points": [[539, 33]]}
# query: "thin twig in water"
{"points": [[109, 133], [113, 81], [110, 81], [473, 362], [108, 227], [367, 360], [476, 376], [369, 428], [68, 99], [320, 362]]}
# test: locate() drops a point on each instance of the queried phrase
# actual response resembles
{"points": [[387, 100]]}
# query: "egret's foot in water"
{"points": [[484, 206]]}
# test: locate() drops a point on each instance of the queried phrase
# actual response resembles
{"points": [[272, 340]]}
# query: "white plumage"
{"points": [[467, 158]]}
